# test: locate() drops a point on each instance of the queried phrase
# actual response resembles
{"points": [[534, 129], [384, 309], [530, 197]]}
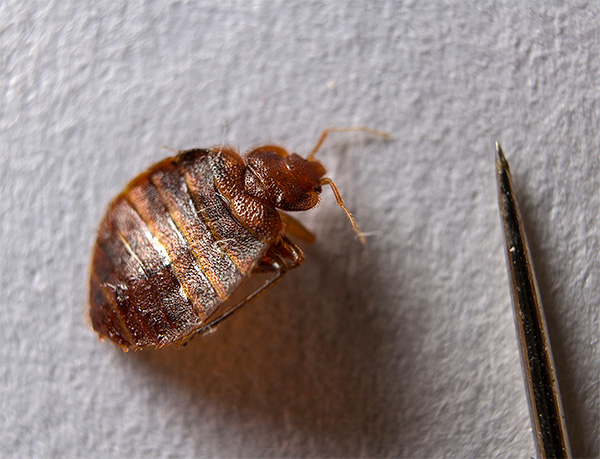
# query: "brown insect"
{"points": [[183, 236]]}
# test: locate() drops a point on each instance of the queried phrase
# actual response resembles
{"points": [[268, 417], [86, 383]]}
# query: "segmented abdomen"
{"points": [[169, 252]]}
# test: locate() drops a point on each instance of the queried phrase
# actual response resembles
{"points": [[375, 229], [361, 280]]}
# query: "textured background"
{"points": [[404, 347]]}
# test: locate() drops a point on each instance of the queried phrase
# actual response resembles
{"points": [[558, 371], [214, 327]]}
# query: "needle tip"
{"points": [[501, 162]]}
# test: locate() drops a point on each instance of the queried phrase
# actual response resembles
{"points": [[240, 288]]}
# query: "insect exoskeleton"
{"points": [[181, 238]]}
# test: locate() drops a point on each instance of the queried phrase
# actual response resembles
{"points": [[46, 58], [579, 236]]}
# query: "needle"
{"points": [[545, 407]]}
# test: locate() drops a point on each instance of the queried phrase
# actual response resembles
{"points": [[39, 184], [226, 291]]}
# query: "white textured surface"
{"points": [[405, 347]]}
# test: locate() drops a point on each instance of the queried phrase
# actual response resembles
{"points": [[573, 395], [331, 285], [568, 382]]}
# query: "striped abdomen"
{"points": [[169, 252]]}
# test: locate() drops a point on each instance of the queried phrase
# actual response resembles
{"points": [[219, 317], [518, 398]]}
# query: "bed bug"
{"points": [[181, 238]]}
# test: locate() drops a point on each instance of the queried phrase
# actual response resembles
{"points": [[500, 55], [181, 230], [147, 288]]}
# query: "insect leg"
{"points": [[295, 228], [279, 259], [275, 266], [285, 254], [289, 253]]}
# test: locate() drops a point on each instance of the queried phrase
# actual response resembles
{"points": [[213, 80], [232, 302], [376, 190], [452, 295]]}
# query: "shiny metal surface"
{"points": [[545, 407]]}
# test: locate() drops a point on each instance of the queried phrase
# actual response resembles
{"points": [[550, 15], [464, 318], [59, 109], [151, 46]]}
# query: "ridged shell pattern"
{"points": [[169, 252]]}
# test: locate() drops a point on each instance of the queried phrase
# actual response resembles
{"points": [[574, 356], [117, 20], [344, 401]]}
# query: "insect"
{"points": [[181, 238]]}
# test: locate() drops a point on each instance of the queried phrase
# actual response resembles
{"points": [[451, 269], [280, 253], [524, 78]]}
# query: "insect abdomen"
{"points": [[168, 253]]}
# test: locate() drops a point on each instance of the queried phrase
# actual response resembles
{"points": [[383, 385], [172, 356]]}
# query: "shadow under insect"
{"points": [[304, 360]]}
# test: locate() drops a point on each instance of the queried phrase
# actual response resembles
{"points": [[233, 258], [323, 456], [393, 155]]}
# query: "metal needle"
{"points": [[545, 408]]}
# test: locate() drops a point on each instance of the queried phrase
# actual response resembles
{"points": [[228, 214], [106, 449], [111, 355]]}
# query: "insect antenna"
{"points": [[326, 132], [340, 202]]}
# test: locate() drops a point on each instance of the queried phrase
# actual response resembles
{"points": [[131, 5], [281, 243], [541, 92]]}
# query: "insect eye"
{"points": [[318, 188]]}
